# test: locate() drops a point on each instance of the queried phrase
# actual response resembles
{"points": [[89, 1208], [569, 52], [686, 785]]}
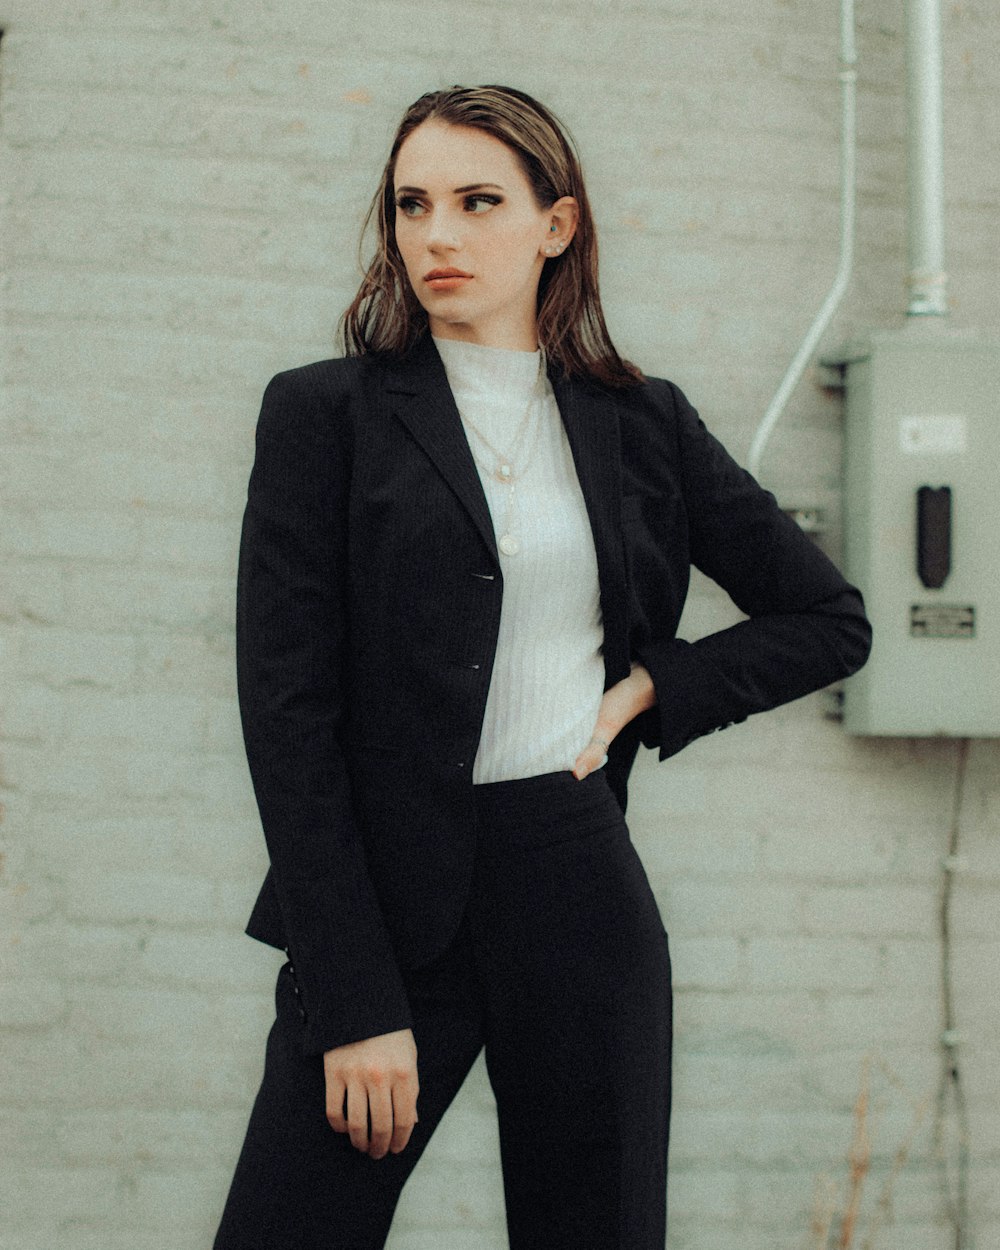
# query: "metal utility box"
{"points": [[922, 531]]}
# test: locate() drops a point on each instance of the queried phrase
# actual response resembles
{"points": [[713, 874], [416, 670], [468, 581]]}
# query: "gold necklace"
{"points": [[502, 469]]}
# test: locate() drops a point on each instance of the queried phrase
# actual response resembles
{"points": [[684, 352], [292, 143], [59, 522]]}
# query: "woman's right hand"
{"points": [[375, 1078]]}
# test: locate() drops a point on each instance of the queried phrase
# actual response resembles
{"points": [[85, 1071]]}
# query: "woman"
{"points": [[462, 567]]}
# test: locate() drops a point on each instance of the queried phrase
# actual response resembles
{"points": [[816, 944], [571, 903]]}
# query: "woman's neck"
{"points": [[515, 336]]}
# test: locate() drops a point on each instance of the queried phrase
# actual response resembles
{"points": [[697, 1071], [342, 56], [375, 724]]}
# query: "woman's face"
{"points": [[472, 236]]}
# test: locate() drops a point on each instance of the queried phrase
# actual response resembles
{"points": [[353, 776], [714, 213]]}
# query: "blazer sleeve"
{"points": [[292, 635], [806, 625]]}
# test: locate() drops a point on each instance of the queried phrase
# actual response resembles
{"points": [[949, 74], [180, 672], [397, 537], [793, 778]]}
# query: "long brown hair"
{"points": [[385, 315]]}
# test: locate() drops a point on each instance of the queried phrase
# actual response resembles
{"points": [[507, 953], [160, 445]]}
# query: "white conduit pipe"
{"points": [[927, 279], [848, 184]]}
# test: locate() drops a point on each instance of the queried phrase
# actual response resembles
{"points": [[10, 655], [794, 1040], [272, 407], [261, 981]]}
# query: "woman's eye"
{"points": [[481, 203], [410, 207]]}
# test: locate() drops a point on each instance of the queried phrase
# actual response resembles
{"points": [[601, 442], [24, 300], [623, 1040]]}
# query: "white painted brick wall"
{"points": [[182, 185]]}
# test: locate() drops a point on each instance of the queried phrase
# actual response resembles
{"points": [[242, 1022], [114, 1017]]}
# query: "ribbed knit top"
{"points": [[548, 673]]}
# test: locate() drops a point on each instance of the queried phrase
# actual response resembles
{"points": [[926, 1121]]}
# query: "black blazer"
{"points": [[369, 596]]}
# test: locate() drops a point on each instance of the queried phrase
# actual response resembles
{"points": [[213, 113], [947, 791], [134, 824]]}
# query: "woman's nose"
{"points": [[443, 232]]}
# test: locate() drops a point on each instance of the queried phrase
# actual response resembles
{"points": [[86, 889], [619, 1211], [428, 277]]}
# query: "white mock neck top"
{"points": [[548, 673]]}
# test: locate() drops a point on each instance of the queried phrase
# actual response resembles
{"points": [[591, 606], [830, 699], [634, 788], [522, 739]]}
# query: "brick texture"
{"points": [[183, 181]]}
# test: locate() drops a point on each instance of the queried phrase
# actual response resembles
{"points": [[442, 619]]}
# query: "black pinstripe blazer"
{"points": [[369, 597]]}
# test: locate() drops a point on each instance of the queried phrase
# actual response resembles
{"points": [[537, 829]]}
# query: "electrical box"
{"points": [[922, 531]]}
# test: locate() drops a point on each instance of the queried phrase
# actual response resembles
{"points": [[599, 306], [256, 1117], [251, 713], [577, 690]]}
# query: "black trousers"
{"points": [[561, 970]]}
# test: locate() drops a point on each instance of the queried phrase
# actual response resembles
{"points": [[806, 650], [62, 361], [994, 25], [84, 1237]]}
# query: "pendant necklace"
{"points": [[502, 468]]}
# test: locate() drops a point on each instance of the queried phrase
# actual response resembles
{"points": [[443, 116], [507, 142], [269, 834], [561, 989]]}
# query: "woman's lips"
{"points": [[446, 279]]}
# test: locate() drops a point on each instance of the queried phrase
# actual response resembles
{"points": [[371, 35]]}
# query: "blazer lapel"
{"points": [[590, 416], [419, 396]]}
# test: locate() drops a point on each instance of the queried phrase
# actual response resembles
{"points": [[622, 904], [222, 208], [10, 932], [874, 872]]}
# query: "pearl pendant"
{"points": [[509, 545]]}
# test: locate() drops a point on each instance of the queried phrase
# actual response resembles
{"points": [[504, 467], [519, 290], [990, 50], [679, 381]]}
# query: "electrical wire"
{"points": [[848, 76], [953, 1158]]}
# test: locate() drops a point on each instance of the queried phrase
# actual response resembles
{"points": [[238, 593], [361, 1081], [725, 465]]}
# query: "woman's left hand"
{"points": [[620, 704]]}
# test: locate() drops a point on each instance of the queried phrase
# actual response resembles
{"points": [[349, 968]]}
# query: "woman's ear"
{"points": [[562, 220]]}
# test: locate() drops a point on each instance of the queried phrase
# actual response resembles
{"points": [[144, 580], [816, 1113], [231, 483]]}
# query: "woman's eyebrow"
{"points": [[474, 186]]}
